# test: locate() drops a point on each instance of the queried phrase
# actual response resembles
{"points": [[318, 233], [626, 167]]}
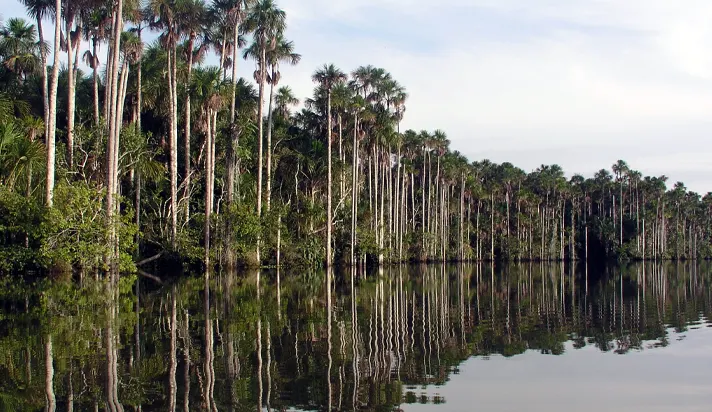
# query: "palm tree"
{"points": [[327, 76], [39, 10], [95, 30], [283, 51], [206, 86], [283, 100], [19, 47], [33, 126], [620, 168], [230, 15], [163, 17], [191, 16], [267, 21]]}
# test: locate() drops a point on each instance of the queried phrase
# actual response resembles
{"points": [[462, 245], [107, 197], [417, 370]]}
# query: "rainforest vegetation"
{"points": [[121, 144]]}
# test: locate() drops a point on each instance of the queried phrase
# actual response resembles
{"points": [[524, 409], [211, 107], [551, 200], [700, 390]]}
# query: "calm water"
{"points": [[457, 338]]}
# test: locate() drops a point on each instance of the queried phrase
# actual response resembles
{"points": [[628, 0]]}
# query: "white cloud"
{"points": [[580, 83], [604, 77]]}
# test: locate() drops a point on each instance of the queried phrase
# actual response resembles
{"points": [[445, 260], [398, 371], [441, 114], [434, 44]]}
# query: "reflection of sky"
{"points": [[674, 378]]}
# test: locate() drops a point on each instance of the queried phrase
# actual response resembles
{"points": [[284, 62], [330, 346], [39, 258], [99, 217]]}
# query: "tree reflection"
{"points": [[322, 341]]}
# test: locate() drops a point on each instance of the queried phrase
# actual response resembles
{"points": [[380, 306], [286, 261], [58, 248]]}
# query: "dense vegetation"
{"points": [[153, 154]]}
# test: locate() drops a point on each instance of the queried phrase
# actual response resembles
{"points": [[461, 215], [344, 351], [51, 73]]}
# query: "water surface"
{"points": [[534, 337]]}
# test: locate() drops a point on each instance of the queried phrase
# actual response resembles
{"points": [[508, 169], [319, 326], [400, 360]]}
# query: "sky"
{"points": [[579, 83]]}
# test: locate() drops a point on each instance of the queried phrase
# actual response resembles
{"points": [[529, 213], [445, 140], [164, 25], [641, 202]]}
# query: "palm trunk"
{"points": [[260, 137], [95, 81], [232, 153], [208, 187], [268, 192], [52, 114], [422, 187], [328, 187], [173, 143], [187, 131], [114, 128], [492, 228], [71, 88], [342, 158], [354, 197], [43, 73]]}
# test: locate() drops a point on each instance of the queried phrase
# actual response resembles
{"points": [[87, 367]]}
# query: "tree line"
{"points": [[155, 155]]}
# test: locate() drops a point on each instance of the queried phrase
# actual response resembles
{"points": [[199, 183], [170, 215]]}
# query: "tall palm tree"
{"points": [[283, 51], [207, 88], [234, 12], [620, 168], [163, 18], [267, 21], [327, 76], [95, 31], [192, 17], [39, 10]]}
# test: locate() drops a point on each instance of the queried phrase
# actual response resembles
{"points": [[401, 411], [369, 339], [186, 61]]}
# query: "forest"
{"points": [[120, 147]]}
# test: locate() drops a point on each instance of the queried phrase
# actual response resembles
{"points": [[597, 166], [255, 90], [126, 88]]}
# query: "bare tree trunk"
{"points": [[260, 137], [187, 131], [43, 73], [232, 153], [208, 187], [173, 144], [52, 115], [268, 192], [71, 89], [95, 81], [114, 122], [354, 196], [328, 190]]}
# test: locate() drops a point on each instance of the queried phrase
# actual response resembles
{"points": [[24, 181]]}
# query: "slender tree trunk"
{"points": [[71, 90], [173, 144], [187, 131], [95, 80], [208, 188], [328, 187], [270, 120], [232, 165], [354, 196], [43, 73], [260, 137], [114, 123], [52, 114]]}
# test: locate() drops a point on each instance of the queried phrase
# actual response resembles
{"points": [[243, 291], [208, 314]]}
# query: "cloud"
{"points": [[580, 83], [549, 77]]}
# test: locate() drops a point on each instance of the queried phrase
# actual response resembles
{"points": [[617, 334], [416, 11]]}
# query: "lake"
{"points": [[535, 337]]}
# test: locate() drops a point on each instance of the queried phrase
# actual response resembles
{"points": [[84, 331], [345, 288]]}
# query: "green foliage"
{"points": [[73, 234], [21, 221], [243, 228], [77, 231]]}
